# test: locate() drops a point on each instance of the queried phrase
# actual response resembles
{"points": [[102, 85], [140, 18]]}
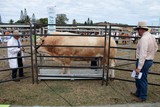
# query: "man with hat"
{"points": [[15, 50], [145, 52]]}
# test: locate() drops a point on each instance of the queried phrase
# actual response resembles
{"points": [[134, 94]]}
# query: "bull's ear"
{"points": [[42, 37]]}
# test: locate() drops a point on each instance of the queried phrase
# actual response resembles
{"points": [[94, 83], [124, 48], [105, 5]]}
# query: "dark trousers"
{"points": [[142, 84], [94, 63], [20, 64]]}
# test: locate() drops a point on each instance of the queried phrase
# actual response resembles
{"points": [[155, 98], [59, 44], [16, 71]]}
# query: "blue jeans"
{"points": [[142, 84]]}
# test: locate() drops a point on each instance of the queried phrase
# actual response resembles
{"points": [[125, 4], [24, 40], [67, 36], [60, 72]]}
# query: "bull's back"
{"points": [[79, 41]]}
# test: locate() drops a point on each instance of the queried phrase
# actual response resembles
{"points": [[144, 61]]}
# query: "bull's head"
{"points": [[39, 43]]}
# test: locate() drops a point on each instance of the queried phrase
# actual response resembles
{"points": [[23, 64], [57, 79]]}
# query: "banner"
{"points": [[51, 19]]}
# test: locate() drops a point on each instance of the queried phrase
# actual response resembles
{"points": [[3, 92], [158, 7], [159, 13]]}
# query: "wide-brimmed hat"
{"points": [[141, 25], [16, 32]]}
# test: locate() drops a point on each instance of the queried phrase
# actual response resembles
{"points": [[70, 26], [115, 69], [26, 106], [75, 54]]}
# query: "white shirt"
{"points": [[13, 51], [146, 48], [0, 38]]}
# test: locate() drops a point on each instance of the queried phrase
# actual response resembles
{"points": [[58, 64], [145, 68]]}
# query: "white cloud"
{"points": [[115, 11]]}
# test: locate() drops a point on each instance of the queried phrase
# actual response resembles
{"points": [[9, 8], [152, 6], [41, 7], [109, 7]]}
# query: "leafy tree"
{"points": [[43, 21], [27, 20], [19, 22], [24, 21], [74, 22], [11, 21], [91, 22], [21, 15], [61, 19], [33, 20], [85, 23], [88, 22]]}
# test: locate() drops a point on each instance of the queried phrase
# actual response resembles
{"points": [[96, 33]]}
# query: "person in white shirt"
{"points": [[15, 50], [145, 52], [0, 38]]}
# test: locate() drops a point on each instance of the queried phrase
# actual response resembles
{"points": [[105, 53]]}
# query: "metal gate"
{"points": [[6, 34], [123, 72], [46, 71]]}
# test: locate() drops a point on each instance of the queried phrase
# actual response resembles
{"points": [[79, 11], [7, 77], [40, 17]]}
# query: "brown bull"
{"points": [[75, 51]]}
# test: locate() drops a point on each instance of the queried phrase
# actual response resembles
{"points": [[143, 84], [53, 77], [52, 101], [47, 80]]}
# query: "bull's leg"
{"points": [[67, 71], [112, 71], [67, 63], [63, 71]]}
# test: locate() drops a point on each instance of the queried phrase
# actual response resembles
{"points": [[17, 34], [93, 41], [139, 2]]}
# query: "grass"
{"points": [[66, 93], [74, 93]]}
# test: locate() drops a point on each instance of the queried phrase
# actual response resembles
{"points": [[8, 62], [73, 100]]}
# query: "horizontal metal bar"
{"points": [[123, 48], [117, 58], [70, 46], [15, 46], [134, 81], [71, 76], [70, 57], [3, 81], [1, 70], [14, 57], [121, 69], [91, 67]]}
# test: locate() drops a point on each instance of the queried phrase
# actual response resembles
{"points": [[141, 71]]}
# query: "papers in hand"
{"points": [[137, 76]]}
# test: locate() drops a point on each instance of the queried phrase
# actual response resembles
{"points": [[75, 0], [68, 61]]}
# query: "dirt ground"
{"points": [[73, 92]]}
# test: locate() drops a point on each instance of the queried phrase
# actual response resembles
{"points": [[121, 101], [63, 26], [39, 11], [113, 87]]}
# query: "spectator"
{"points": [[15, 52], [146, 49], [0, 38]]}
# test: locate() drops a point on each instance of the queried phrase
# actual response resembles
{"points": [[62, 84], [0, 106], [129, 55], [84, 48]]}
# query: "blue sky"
{"points": [[114, 11]]}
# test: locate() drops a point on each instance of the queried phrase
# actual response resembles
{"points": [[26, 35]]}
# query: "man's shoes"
{"points": [[23, 76], [138, 100], [133, 94], [16, 80]]}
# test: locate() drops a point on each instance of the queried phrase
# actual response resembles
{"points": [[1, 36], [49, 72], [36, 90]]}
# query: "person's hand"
{"points": [[22, 49], [137, 70]]}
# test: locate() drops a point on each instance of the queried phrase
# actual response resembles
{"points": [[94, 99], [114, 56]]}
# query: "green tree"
{"points": [[11, 21], [88, 21], [33, 20], [24, 21], [91, 22], [43, 21], [27, 20], [61, 19], [74, 22], [85, 23]]}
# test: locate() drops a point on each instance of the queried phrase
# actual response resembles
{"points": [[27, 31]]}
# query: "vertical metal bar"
{"points": [[104, 55], [31, 53], [41, 58], [35, 54], [108, 64]]}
